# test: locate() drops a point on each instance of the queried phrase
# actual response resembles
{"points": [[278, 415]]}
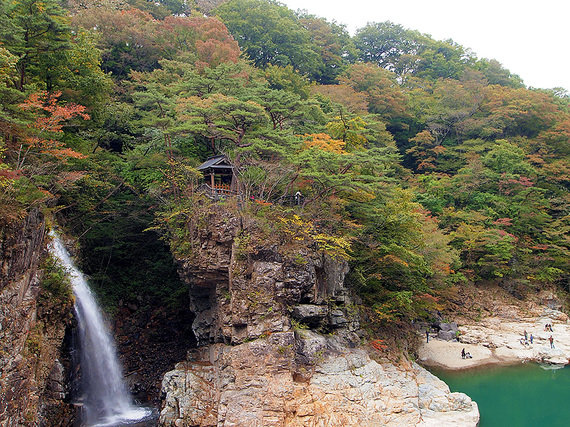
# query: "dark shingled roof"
{"points": [[216, 162]]}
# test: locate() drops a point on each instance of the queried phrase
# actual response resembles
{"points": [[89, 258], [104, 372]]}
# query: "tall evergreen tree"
{"points": [[39, 34]]}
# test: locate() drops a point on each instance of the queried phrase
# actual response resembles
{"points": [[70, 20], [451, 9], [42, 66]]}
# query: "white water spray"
{"points": [[105, 400]]}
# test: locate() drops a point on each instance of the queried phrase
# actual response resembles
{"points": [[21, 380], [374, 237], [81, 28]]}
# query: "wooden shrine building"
{"points": [[218, 172]]}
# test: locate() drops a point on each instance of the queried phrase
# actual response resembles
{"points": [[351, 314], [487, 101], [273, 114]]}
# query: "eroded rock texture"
{"points": [[268, 382], [32, 329], [240, 291], [279, 343]]}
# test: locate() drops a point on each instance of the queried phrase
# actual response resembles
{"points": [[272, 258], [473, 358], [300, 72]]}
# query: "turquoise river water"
{"points": [[521, 395]]}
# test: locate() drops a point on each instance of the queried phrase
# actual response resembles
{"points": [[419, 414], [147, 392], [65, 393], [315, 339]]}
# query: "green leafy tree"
{"points": [[10, 96], [348, 129], [400, 259], [384, 43], [284, 108], [497, 75], [269, 33], [223, 118], [507, 158], [333, 44], [162, 9], [286, 78], [408, 52], [79, 76], [441, 59]]}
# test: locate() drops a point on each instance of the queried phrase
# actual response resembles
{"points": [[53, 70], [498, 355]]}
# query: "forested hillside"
{"points": [[426, 167]]}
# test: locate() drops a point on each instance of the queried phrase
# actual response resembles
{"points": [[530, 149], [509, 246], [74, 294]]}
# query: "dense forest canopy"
{"points": [[425, 166]]}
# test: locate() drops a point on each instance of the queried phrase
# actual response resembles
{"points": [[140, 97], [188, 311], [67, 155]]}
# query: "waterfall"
{"points": [[105, 400]]}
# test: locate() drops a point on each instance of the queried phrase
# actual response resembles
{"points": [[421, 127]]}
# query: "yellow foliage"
{"points": [[324, 142], [349, 130], [300, 230], [336, 246]]}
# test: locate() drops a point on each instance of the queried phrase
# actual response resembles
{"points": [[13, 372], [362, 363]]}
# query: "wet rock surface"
{"points": [[150, 341], [33, 378]]}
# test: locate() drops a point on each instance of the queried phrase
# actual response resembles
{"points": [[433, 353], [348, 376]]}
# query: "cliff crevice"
{"points": [[242, 289], [279, 341]]}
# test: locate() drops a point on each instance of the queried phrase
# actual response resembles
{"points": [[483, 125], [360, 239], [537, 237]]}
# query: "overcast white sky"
{"points": [[529, 37]]}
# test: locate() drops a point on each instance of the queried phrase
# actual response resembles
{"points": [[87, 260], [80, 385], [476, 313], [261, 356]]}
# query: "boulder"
{"points": [[446, 335], [448, 327], [267, 301], [550, 315], [241, 291], [310, 314]]}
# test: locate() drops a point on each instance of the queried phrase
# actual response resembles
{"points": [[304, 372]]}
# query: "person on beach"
{"points": [[463, 354], [427, 335], [525, 336], [531, 338], [551, 341]]}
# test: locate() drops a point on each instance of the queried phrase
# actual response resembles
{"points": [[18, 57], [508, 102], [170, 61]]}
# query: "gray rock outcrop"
{"points": [[279, 343], [260, 384], [241, 289]]}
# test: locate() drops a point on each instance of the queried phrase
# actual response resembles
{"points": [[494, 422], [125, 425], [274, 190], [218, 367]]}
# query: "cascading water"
{"points": [[105, 400]]}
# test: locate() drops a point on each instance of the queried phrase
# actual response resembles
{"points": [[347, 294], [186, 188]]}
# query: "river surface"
{"points": [[521, 395]]}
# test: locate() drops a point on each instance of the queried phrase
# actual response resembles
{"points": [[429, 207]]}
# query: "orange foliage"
{"points": [[393, 259], [383, 94], [505, 111], [426, 150], [50, 119], [207, 37], [8, 174], [379, 345], [66, 178]]}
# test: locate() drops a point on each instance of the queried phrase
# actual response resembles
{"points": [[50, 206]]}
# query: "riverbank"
{"points": [[501, 340]]}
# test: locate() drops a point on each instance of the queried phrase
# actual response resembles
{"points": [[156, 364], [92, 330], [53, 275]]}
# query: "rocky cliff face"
{"points": [[241, 290], [279, 343], [32, 329], [261, 384]]}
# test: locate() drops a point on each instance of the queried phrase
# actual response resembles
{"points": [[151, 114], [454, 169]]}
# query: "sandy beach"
{"points": [[496, 340], [447, 355]]}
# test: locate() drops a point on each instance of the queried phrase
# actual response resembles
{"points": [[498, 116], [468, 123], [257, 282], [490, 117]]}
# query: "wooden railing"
{"points": [[222, 187], [219, 191]]}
